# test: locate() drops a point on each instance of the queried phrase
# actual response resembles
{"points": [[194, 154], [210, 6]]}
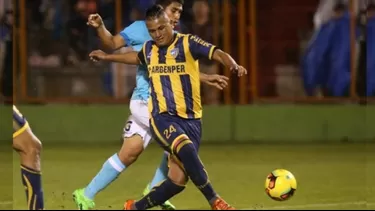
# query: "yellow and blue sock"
{"points": [[32, 181]]}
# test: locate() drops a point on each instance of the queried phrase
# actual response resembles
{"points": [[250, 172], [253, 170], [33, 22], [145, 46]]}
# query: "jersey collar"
{"points": [[175, 36]]}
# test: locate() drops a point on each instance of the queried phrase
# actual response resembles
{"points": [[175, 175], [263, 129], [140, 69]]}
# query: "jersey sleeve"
{"points": [[142, 54], [141, 57], [133, 34], [200, 48]]}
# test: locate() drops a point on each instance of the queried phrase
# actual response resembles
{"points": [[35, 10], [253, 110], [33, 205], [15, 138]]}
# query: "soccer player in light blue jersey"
{"points": [[136, 133]]}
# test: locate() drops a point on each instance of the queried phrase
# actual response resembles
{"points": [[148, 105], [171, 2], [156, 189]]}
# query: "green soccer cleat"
{"points": [[165, 206], [82, 202]]}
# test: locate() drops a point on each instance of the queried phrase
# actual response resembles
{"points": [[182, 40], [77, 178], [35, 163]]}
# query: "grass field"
{"points": [[329, 176]]}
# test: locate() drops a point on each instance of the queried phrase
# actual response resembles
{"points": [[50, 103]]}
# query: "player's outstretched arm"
{"points": [[126, 58], [227, 60], [109, 41], [218, 81], [202, 49]]}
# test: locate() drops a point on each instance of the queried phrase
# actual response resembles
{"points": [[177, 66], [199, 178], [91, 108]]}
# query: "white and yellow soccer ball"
{"points": [[280, 185]]}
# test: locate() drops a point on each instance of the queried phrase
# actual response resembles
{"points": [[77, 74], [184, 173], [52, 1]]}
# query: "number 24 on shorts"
{"points": [[169, 131]]}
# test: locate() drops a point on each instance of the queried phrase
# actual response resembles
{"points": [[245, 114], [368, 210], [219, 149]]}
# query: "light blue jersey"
{"points": [[135, 36]]}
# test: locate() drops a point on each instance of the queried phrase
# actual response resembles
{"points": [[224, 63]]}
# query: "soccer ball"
{"points": [[280, 185]]}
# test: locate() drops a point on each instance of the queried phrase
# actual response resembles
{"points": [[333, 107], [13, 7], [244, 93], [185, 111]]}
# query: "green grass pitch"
{"points": [[334, 176]]}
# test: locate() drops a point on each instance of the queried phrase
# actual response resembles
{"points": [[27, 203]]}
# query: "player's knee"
{"points": [[131, 148], [36, 148], [176, 173], [27, 143], [179, 179], [186, 149]]}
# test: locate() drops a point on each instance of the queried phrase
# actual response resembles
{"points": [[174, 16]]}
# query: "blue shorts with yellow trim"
{"points": [[168, 129], [19, 122]]}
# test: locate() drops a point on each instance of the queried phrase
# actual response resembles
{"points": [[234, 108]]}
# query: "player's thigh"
{"points": [[193, 129], [135, 130], [136, 138], [176, 171], [23, 138], [167, 132], [139, 112], [131, 149]]}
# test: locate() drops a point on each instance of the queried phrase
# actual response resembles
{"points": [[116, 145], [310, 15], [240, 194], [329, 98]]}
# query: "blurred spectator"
{"points": [[77, 28], [325, 10], [46, 41], [201, 26], [53, 17], [106, 9], [143, 5], [6, 24], [370, 49], [326, 63], [3, 33], [136, 14]]}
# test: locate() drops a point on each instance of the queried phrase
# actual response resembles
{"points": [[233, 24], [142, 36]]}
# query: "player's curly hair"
{"points": [[166, 3]]}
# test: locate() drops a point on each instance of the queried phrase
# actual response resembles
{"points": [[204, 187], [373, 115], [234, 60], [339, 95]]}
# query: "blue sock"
{"points": [[32, 180], [194, 168], [161, 173], [109, 172]]}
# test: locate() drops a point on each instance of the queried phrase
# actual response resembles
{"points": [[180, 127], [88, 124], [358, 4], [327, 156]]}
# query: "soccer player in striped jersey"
{"points": [[175, 105], [136, 133]]}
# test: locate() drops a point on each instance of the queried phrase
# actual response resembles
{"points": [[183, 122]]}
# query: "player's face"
{"points": [[174, 11], [161, 30]]}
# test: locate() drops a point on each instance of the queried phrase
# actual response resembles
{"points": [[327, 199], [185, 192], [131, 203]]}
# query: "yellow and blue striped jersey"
{"points": [[174, 75]]}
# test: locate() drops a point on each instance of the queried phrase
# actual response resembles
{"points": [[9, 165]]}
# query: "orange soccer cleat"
{"points": [[220, 204], [129, 205]]}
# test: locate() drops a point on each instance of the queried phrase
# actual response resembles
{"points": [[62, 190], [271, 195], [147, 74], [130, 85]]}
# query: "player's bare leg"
{"points": [[131, 149], [29, 148]]}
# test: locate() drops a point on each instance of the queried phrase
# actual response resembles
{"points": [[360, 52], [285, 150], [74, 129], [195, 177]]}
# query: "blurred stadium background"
{"points": [[274, 118]]}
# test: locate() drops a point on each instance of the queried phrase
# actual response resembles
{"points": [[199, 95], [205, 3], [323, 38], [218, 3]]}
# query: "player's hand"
{"points": [[239, 70], [95, 20], [97, 55], [218, 81]]}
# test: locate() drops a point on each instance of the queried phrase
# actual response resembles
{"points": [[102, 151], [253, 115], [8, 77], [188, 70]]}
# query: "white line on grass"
{"points": [[6, 202], [317, 205]]}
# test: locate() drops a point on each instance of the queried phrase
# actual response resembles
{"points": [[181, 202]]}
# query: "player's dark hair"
{"points": [[166, 3], [154, 12]]}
